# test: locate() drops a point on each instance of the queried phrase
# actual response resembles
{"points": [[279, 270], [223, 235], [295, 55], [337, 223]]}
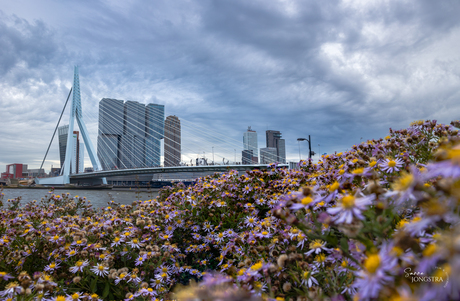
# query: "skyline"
{"points": [[340, 71]]}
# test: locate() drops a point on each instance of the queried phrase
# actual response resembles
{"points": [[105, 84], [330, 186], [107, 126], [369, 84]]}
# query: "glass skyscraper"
{"points": [[154, 132], [250, 144], [111, 115], [274, 140], [129, 134], [172, 141]]}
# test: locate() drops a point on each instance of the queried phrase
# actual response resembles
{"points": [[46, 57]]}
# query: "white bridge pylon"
{"points": [[75, 113]]}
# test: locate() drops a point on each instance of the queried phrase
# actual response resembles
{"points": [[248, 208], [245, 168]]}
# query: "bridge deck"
{"points": [[154, 170]]}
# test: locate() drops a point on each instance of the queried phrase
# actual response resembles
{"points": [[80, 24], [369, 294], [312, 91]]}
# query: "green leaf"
{"points": [[344, 244], [106, 291], [93, 285]]}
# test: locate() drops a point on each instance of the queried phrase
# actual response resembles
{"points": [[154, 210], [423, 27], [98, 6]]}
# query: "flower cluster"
{"points": [[380, 221]]}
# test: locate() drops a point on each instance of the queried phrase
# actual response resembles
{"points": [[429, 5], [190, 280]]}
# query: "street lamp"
{"points": [[310, 152]]}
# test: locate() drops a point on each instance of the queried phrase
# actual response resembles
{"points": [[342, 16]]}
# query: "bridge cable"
{"points": [[57, 125]]}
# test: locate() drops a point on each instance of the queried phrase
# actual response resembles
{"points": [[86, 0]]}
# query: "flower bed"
{"points": [[380, 221]]}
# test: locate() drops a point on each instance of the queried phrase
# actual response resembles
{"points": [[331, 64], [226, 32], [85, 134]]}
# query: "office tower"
{"points": [[172, 143], [268, 155], [111, 115], [274, 140], [130, 134], [154, 132], [133, 139], [246, 156], [250, 143], [281, 151], [77, 163]]}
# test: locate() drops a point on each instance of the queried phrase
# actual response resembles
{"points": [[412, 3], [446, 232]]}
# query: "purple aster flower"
{"points": [[5, 276], [350, 207], [375, 274], [391, 165]]}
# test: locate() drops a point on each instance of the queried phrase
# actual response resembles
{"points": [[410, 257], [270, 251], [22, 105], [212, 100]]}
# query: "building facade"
{"points": [[154, 132], [130, 134], [274, 140], [111, 116], [268, 155], [172, 142], [14, 171], [250, 143]]}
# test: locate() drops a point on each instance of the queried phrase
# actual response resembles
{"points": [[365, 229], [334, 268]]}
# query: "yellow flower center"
{"points": [[60, 298], [429, 250], [75, 296], [79, 263], [372, 263], [358, 171], [316, 244], [334, 187], [306, 200], [348, 201], [320, 258], [257, 266], [100, 267], [397, 251], [264, 233], [404, 182], [392, 163]]}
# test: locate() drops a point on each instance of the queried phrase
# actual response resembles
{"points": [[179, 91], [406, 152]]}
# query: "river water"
{"points": [[99, 198]]}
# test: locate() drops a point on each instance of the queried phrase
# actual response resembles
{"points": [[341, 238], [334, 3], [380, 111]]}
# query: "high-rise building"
{"points": [[133, 140], [130, 134], [78, 155], [172, 143], [154, 132], [246, 156], [274, 140], [250, 143], [111, 115], [268, 155]]}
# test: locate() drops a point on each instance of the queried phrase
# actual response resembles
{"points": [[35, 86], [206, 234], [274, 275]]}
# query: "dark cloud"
{"points": [[340, 71]]}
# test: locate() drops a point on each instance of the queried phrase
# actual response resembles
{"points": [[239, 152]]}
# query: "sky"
{"points": [[340, 72]]}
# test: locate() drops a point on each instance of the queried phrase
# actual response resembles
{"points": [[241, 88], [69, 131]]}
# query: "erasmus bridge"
{"points": [[99, 175]]}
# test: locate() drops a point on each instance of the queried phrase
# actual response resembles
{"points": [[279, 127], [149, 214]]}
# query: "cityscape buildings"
{"points": [[274, 140], [154, 131], [172, 143], [268, 155], [111, 115], [133, 140], [250, 152], [129, 134]]}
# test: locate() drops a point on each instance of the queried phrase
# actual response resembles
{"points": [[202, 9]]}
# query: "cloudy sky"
{"points": [[339, 71]]}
